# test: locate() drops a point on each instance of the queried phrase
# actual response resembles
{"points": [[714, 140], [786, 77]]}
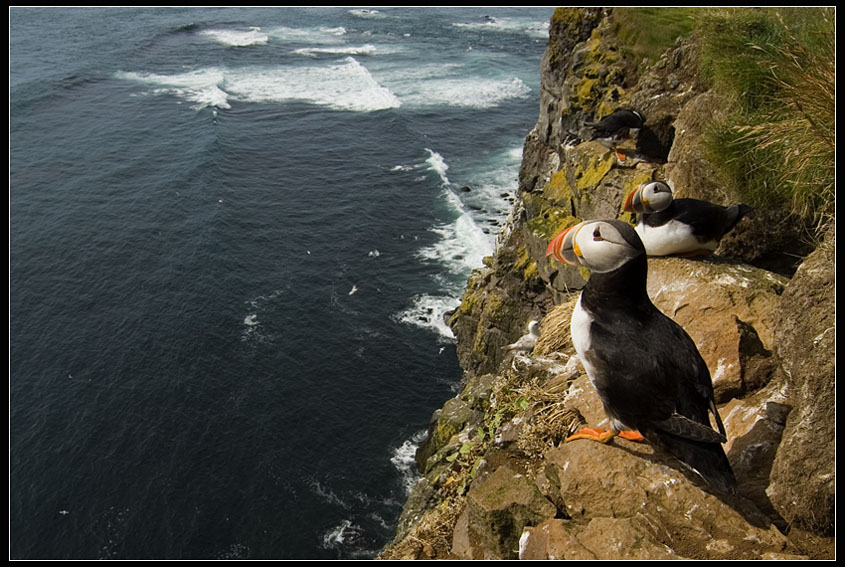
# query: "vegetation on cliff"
{"points": [[778, 66]]}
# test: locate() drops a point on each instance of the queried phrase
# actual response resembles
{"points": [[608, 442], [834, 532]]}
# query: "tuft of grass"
{"points": [[778, 67], [647, 32]]}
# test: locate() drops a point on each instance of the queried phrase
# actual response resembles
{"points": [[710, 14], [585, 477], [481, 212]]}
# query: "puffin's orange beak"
{"points": [[634, 203], [563, 246]]}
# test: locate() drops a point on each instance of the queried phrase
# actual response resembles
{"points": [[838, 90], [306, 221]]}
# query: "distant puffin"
{"points": [[616, 126], [687, 227], [647, 371], [526, 342]]}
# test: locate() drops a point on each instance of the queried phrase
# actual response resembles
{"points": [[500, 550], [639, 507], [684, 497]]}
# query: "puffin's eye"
{"points": [[597, 234]]}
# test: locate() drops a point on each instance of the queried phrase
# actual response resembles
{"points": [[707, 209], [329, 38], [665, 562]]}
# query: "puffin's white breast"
{"points": [[671, 238], [579, 327]]}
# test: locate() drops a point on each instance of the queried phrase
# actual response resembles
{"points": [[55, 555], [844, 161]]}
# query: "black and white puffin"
{"points": [[688, 227], [646, 369], [616, 126]]}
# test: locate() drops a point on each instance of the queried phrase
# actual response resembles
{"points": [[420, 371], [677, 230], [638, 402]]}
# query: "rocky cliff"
{"points": [[497, 480]]}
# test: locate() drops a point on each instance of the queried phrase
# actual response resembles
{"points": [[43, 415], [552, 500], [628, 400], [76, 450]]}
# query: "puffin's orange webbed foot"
{"points": [[632, 436], [602, 436], [597, 434]]}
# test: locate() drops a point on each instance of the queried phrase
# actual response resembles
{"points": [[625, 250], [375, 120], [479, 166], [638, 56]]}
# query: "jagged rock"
{"points": [[446, 422], [803, 487], [501, 506], [755, 426]]}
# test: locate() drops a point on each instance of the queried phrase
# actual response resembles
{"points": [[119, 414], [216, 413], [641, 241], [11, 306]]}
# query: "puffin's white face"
{"points": [[649, 197], [597, 245]]}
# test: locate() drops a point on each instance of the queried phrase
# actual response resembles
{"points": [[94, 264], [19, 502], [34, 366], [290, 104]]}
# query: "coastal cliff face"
{"points": [[497, 481]]}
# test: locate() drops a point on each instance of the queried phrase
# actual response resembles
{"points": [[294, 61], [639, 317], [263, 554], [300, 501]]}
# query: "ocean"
{"points": [[234, 235]]}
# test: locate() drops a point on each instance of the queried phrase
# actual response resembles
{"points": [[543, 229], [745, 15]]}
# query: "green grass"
{"points": [[777, 69], [647, 33]]}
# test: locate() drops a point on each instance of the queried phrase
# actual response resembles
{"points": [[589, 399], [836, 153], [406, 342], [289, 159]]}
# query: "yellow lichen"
{"points": [[590, 174]]}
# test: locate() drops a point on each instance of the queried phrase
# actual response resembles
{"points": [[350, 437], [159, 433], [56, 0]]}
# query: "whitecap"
{"points": [[472, 92], [347, 85], [537, 29], [308, 36], [367, 49], [365, 13], [438, 165], [201, 87], [238, 38]]}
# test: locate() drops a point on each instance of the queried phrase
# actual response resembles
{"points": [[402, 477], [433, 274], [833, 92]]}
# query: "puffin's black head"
{"points": [[602, 246]]}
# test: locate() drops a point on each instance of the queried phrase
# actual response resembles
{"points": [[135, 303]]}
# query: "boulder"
{"points": [[729, 312], [625, 501], [500, 506], [803, 480]]}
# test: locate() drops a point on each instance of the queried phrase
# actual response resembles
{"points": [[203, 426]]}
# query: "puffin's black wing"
{"points": [[652, 378], [687, 434], [708, 221]]}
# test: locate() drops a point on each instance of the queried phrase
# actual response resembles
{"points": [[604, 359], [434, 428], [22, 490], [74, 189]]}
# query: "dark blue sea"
{"points": [[234, 233]]}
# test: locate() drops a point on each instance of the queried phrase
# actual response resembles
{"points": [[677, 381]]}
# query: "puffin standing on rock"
{"points": [[687, 227], [646, 369]]}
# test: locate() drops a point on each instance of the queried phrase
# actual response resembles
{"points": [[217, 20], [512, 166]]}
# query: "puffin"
{"points": [[684, 227], [616, 126], [650, 377], [526, 342]]}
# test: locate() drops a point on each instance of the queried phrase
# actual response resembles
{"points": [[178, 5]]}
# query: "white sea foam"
{"points": [[346, 85], [201, 87], [437, 164], [450, 85], [365, 13], [238, 38], [344, 533], [462, 244], [404, 459], [309, 36], [367, 49], [429, 312], [538, 29]]}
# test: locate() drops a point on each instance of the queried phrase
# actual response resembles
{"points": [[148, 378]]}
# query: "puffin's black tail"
{"points": [[708, 460]]}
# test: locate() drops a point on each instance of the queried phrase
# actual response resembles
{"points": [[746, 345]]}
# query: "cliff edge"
{"points": [[497, 481]]}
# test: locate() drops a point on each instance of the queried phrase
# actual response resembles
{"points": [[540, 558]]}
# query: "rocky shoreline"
{"points": [[497, 481]]}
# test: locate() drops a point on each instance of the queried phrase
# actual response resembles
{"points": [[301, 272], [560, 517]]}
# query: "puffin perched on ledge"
{"points": [[688, 227], [647, 371], [617, 125]]}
